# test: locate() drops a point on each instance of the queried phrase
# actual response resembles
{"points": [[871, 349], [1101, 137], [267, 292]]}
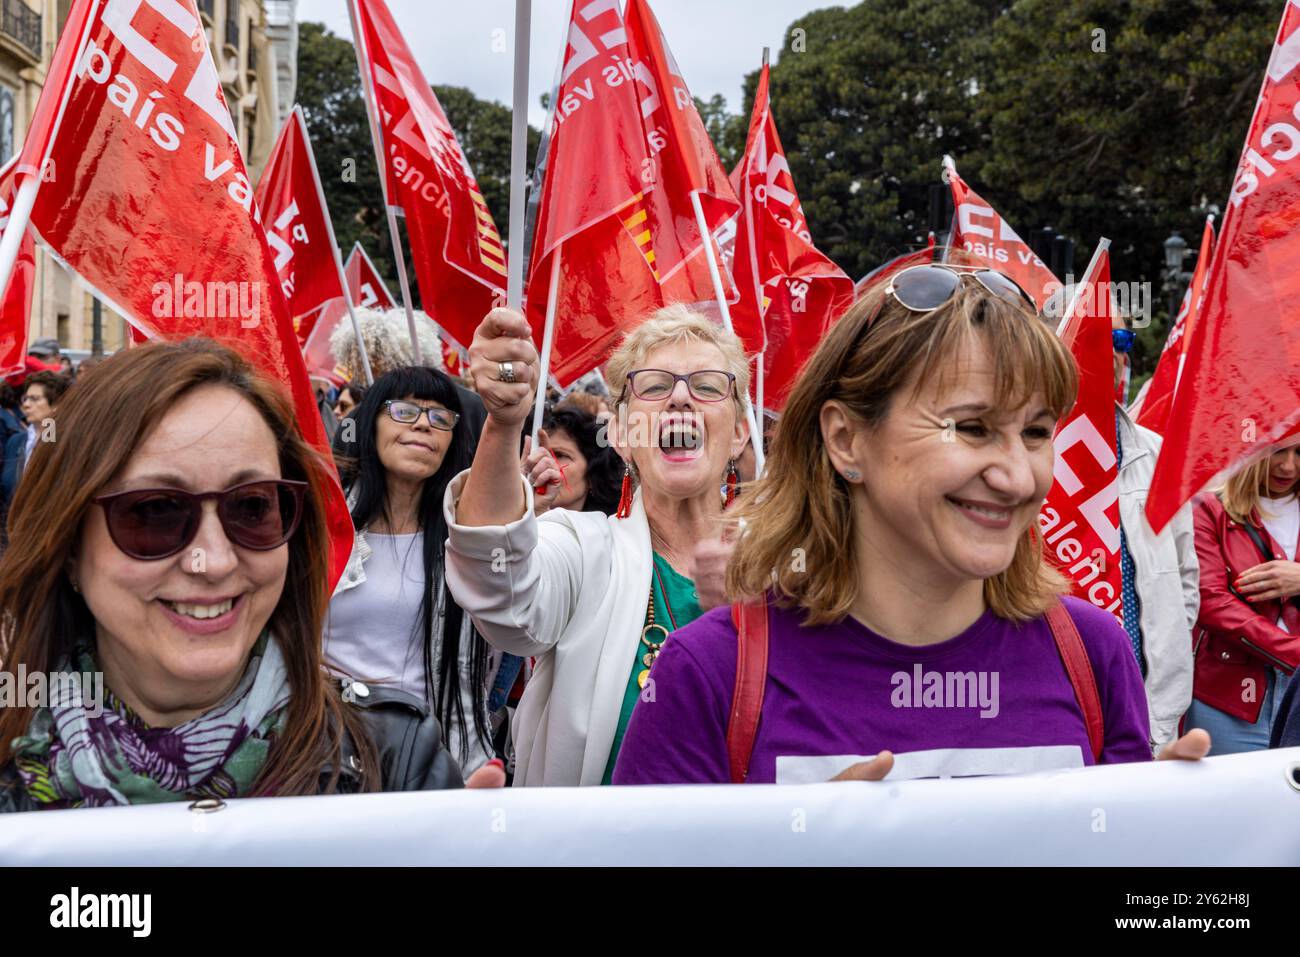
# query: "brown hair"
{"points": [[104, 419], [801, 506], [55, 384]]}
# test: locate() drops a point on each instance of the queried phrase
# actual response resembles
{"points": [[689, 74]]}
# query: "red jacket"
{"points": [[1236, 640]]}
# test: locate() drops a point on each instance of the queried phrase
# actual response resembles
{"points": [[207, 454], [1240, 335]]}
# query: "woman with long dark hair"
{"points": [[392, 620]]}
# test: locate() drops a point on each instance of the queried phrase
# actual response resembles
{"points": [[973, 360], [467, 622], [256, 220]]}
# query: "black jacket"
{"points": [[404, 729]]}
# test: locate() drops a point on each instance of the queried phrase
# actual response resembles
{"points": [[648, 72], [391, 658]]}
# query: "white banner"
{"points": [[1238, 809]]}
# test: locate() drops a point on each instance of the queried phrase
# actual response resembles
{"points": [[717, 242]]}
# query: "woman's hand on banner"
{"points": [[873, 770], [491, 775], [503, 363], [1192, 746]]}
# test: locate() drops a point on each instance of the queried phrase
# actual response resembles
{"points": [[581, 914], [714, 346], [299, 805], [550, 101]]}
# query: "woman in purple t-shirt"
{"points": [[908, 600]]}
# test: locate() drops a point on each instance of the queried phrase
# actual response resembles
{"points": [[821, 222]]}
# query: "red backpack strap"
{"points": [[1075, 658], [750, 620]]}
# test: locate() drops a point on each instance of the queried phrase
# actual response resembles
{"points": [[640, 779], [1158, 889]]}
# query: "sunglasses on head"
{"points": [[149, 524], [927, 287]]}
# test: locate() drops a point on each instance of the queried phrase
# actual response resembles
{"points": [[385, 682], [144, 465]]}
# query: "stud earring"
{"points": [[851, 475]]}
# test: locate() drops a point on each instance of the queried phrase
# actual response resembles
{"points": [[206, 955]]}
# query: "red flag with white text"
{"points": [[364, 282], [455, 248], [1159, 398], [593, 210], [1240, 387], [1080, 517], [790, 293], [985, 235], [685, 162], [297, 226], [368, 292], [152, 206]]}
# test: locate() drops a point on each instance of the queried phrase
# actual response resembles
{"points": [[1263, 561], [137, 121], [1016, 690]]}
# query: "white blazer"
{"points": [[569, 589]]}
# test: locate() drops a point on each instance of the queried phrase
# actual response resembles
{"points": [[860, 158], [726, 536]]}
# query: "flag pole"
{"points": [[721, 296], [377, 138], [519, 158], [1102, 245], [334, 246], [548, 339], [20, 214]]}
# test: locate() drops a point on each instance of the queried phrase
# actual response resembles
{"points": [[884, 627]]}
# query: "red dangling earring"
{"points": [[625, 496], [733, 480]]}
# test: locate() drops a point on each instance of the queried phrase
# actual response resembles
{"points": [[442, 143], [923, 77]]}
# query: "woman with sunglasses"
{"points": [[173, 539], [593, 597], [906, 607], [391, 620]]}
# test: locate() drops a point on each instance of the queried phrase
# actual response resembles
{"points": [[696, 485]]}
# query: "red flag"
{"points": [[978, 229], [790, 293], [455, 248], [685, 161], [1240, 388], [593, 212], [297, 225], [16, 311], [152, 206], [364, 282], [1080, 518], [1154, 413], [922, 257]]}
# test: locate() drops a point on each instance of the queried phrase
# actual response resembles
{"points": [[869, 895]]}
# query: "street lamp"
{"points": [[1175, 253]]}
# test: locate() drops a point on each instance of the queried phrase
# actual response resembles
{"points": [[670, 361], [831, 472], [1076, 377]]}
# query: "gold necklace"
{"points": [[648, 659]]}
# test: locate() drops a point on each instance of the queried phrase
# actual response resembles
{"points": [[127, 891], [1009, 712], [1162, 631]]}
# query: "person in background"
{"points": [[1159, 573], [187, 565], [47, 352], [350, 396], [892, 541], [40, 396], [593, 597], [590, 470], [1248, 632], [391, 620]]}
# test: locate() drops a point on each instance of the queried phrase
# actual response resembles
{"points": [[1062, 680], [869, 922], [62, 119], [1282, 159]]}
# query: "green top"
{"points": [[685, 608]]}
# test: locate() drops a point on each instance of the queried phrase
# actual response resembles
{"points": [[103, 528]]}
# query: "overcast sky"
{"points": [[716, 42]]}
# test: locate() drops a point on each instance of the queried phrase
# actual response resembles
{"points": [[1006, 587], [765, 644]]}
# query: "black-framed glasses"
{"points": [[1122, 339], [704, 385], [150, 524], [408, 413], [926, 287]]}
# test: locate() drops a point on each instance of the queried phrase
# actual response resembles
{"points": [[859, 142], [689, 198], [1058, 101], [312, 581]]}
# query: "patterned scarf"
{"points": [[71, 757]]}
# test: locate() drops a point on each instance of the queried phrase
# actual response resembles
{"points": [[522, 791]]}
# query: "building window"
{"points": [[232, 23], [64, 324], [6, 124]]}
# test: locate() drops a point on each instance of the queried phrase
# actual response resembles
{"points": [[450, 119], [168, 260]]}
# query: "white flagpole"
{"points": [[334, 246], [519, 159], [1102, 245], [548, 338], [377, 137], [721, 296], [21, 212]]}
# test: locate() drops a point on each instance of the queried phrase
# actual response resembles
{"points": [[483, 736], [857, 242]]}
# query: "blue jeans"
{"points": [[1231, 735]]}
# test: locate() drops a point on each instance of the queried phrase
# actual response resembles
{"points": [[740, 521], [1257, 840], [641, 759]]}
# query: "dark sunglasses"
{"points": [[149, 524], [408, 413], [1122, 339], [927, 287]]}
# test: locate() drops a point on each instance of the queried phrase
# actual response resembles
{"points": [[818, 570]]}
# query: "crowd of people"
{"points": [[622, 601]]}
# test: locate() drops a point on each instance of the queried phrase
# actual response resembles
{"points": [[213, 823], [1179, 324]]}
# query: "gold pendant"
{"points": [[642, 678], [648, 658]]}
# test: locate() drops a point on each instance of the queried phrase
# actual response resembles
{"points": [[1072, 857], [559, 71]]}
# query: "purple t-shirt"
{"points": [[993, 700]]}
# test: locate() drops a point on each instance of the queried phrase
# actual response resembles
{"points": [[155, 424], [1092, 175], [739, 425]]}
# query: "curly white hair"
{"points": [[388, 341]]}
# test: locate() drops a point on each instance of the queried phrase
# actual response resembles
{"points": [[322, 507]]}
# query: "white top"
{"points": [[1281, 517], [371, 632]]}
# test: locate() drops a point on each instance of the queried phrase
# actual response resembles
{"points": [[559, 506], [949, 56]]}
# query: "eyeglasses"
{"points": [[408, 413], [150, 524], [927, 287], [704, 385], [1122, 339]]}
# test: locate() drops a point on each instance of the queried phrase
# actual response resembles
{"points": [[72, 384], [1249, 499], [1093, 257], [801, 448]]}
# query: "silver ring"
{"points": [[506, 371]]}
